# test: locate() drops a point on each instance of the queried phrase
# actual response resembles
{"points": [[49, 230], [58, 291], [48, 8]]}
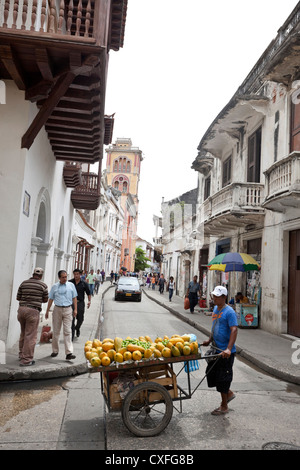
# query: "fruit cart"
{"points": [[144, 391]]}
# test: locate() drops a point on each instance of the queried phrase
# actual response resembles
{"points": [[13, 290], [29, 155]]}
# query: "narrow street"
{"points": [[69, 414]]}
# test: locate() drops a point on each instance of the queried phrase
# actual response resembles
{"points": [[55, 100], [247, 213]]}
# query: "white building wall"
{"points": [[36, 172]]}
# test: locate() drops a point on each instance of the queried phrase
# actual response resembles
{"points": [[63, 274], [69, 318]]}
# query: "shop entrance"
{"points": [[294, 283]]}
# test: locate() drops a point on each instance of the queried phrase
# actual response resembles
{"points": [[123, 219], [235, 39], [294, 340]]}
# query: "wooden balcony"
{"points": [[283, 184], [72, 174], [87, 195], [234, 206], [57, 53]]}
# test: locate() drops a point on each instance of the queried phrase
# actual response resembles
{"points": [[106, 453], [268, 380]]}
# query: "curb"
{"points": [[55, 371]]}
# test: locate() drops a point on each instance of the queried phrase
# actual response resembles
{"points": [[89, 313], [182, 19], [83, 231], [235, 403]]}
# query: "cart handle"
{"points": [[215, 347]]}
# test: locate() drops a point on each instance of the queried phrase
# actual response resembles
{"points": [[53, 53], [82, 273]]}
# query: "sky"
{"points": [[181, 63]]}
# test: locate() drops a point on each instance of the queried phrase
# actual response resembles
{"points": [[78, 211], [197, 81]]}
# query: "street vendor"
{"points": [[241, 299], [223, 336]]}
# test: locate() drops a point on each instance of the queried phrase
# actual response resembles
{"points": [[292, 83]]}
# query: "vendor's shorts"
{"points": [[219, 373]]}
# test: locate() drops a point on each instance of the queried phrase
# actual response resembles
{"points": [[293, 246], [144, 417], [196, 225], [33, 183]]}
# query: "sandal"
{"points": [[218, 412], [231, 398]]}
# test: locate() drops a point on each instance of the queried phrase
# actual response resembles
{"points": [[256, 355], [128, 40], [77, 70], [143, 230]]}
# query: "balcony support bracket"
{"points": [[58, 91]]}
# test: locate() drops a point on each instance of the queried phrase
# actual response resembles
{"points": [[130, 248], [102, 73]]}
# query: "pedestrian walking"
{"points": [[97, 281], [111, 277], [90, 279], [31, 294], [102, 276], [192, 293], [64, 295], [171, 287], [153, 282], [223, 335], [148, 281], [82, 288], [161, 284], [116, 276]]}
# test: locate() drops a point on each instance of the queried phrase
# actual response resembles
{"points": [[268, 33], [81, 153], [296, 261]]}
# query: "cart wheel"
{"points": [[147, 409]]}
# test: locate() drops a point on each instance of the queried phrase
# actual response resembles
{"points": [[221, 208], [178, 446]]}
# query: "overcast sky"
{"points": [[181, 63]]}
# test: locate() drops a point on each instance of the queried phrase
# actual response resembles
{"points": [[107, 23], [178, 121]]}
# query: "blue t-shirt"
{"points": [[222, 330]]}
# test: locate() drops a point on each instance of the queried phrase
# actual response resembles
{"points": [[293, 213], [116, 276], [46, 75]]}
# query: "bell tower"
{"points": [[123, 166]]}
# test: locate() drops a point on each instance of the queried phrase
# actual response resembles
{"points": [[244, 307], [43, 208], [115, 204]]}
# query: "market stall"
{"points": [[247, 313]]}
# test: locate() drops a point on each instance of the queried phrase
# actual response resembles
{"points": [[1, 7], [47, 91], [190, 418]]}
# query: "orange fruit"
{"points": [[148, 353], [166, 352], [105, 361], [95, 361], [88, 347], [136, 355], [109, 340], [111, 353], [160, 346], [194, 347], [107, 345], [119, 357], [97, 343], [102, 354], [127, 356], [157, 353], [186, 350]]}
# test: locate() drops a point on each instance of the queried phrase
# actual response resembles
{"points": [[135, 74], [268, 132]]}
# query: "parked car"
{"points": [[128, 288]]}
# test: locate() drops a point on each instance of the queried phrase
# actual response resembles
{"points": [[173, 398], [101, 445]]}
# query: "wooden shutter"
{"points": [[295, 124], [254, 153]]}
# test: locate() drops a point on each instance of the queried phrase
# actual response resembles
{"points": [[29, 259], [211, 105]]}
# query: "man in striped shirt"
{"points": [[31, 294]]}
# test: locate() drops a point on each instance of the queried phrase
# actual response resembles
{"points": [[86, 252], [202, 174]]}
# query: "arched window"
{"points": [[116, 185], [122, 164], [125, 187]]}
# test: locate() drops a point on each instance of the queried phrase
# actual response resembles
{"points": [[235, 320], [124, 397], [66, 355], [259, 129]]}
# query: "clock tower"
{"points": [[123, 165]]}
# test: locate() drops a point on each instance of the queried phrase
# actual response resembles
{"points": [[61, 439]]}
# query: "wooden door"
{"points": [[294, 284], [295, 123], [254, 155]]}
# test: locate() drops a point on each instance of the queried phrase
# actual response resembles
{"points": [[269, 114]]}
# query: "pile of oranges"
{"points": [[108, 351]]}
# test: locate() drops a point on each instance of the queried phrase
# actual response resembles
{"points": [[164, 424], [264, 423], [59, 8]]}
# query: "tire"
{"points": [[138, 406]]}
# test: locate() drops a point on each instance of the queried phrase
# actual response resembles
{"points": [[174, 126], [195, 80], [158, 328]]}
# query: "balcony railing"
{"points": [[283, 183], [237, 198], [64, 18], [87, 195]]}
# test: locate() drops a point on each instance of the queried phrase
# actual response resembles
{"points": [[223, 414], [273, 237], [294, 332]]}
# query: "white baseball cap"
{"points": [[219, 290]]}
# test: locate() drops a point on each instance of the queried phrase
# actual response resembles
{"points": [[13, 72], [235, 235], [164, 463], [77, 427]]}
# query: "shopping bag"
{"points": [[191, 365], [46, 334], [186, 303]]}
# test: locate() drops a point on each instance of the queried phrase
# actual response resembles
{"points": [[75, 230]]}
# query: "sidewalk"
{"points": [[46, 367], [271, 353]]}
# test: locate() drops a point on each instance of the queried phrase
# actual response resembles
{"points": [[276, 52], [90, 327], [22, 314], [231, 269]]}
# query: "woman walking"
{"points": [[171, 286]]}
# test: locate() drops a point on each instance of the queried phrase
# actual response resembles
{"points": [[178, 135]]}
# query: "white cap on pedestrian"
{"points": [[219, 290], [38, 271]]}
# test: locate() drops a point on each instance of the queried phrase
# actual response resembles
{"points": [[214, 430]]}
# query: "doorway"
{"points": [[294, 283]]}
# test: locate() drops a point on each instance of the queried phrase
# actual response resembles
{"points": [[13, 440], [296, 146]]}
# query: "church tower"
{"points": [[123, 166]]}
